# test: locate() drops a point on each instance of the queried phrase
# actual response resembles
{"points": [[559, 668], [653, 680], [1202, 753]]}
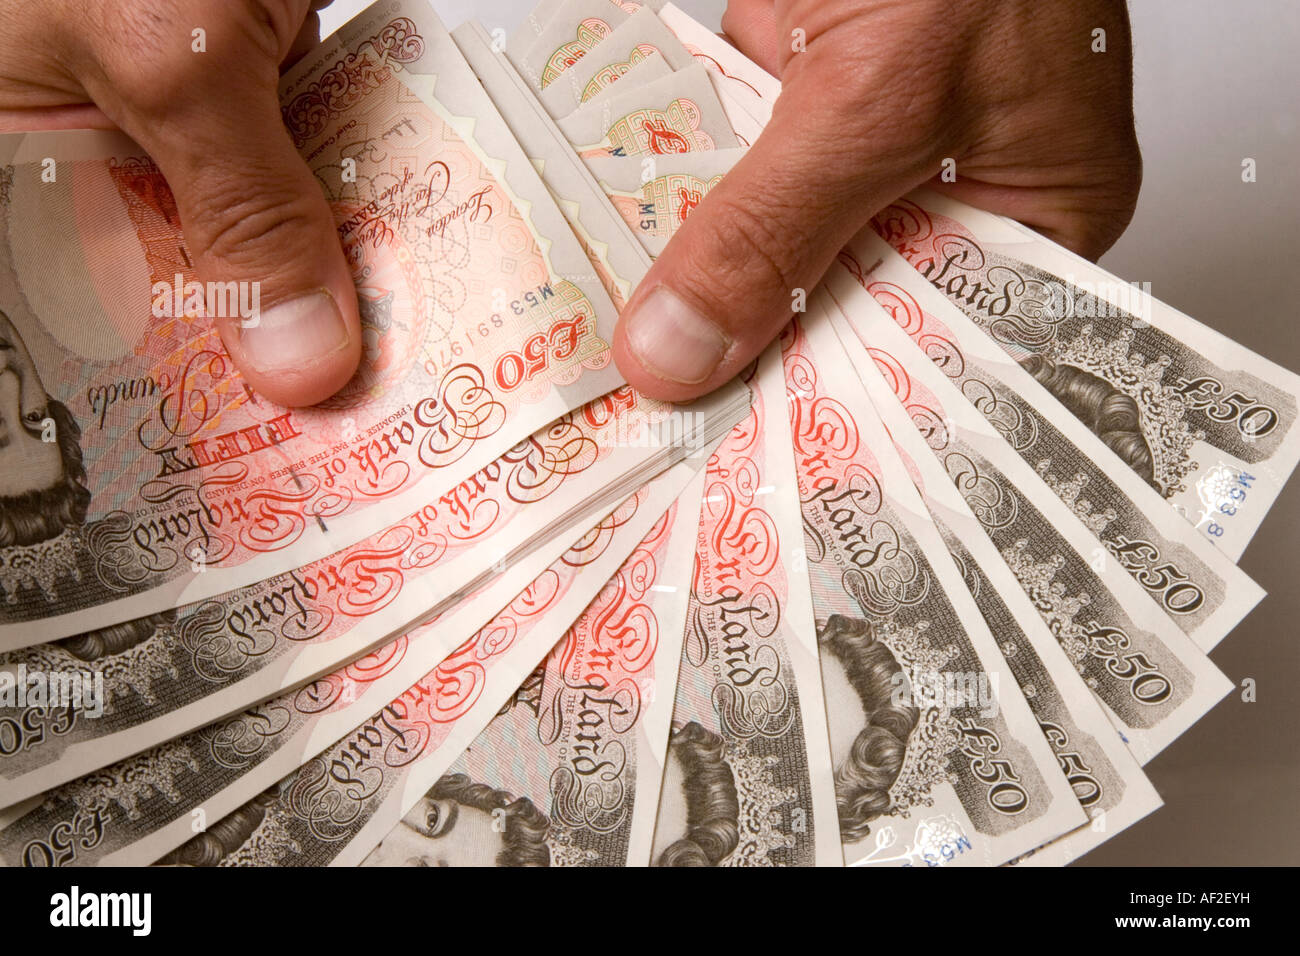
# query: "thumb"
{"points": [[729, 280], [251, 210]]}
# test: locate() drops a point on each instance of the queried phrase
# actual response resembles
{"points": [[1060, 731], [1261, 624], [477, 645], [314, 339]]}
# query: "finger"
{"points": [[71, 116], [752, 26], [308, 36], [307, 39], [251, 210], [728, 281]]}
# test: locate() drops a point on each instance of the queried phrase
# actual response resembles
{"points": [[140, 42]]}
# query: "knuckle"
{"points": [[146, 53], [739, 254], [900, 105], [252, 231]]}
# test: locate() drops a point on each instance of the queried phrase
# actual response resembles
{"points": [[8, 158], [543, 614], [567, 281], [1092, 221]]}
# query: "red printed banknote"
{"points": [[388, 779], [558, 34], [679, 113], [1209, 424], [613, 251], [640, 48], [938, 758], [655, 194], [571, 765], [168, 673], [142, 474], [137, 810], [747, 778]]}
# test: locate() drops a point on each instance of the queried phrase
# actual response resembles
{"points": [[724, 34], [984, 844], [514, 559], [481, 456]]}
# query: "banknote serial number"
{"points": [[1233, 499]]}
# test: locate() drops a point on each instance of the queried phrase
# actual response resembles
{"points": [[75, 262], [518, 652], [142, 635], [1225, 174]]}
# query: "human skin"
{"points": [[1040, 128], [250, 209]]}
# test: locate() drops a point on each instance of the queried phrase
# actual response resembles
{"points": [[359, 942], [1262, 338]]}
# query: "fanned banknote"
{"points": [[571, 766], [1153, 679], [751, 87], [938, 758], [678, 113], [927, 604], [1214, 428], [175, 671], [1211, 426], [482, 322], [747, 778], [641, 38], [548, 11], [1212, 597], [139, 809], [564, 38], [650, 70], [390, 772], [1196, 584], [655, 194], [1104, 776], [613, 251]]}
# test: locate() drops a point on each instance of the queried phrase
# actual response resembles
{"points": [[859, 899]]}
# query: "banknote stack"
{"points": [[929, 585]]}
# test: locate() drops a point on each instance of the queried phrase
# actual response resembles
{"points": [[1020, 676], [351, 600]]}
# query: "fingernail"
{"points": [[673, 341], [293, 333]]}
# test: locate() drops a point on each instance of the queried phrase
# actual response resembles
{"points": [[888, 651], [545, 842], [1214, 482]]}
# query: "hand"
{"points": [[250, 208], [1040, 127]]}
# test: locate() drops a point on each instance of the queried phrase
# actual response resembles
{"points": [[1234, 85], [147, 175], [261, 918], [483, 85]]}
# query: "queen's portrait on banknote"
{"points": [[701, 801], [229, 837], [871, 763], [43, 495], [1113, 415], [463, 823]]}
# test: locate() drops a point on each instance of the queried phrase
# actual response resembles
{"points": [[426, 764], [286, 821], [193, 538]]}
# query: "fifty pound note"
{"points": [[171, 672], [655, 194], [1205, 421], [1103, 774], [1152, 678], [141, 473], [679, 113], [1209, 424], [563, 39], [571, 765], [938, 758], [747, 779], [387, 781], [134, 811], [640, 39], [1195, 583]]}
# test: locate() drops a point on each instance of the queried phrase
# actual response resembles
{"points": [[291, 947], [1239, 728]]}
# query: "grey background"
{"points": [[1216, 81]]}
